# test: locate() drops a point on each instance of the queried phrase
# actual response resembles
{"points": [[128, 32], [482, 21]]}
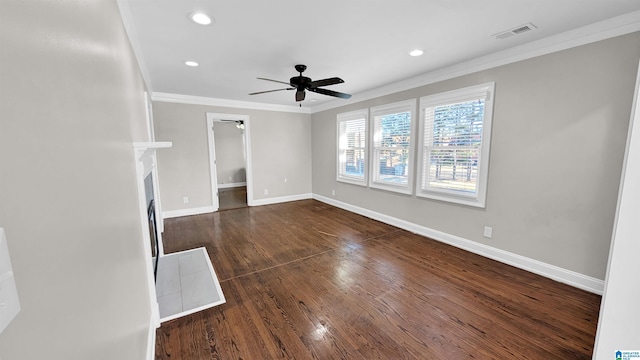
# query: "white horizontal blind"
{"points": [[452, 150], [352, 147], [392, 156], [453, 140]]}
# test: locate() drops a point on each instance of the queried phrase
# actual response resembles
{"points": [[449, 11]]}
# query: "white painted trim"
{"points": [[246, 119], [142, 148], [374, 163], [619, 313], [187, 212], [201, 100], [281, 199], [620, 25], [144, 154], [477, 199], [213, 167], [231, 185], [146, 145], [345, 117], [151, 340], [556, 273]]}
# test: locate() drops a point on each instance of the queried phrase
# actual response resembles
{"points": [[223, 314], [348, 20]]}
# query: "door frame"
{"points": [[212, 118]]}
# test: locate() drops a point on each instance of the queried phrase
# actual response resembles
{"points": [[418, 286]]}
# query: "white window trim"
{"points": [[400, 106], [479, 199], [353, 115]]}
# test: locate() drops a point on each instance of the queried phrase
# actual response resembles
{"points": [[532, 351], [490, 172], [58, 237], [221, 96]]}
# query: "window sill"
{"points": [[393, 188], [452, 198], [352, 181]]}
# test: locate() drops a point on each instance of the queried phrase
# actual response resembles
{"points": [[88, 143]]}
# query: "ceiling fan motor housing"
{"points": [[300, 82]]}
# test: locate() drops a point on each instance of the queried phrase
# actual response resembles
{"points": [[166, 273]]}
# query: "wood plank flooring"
{"points": [[232, 198], [305, 280]]}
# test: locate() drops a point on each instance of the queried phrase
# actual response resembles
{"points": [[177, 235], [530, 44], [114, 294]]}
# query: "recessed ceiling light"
{"points": [[416, 52], [200, 18], [191, 63]]}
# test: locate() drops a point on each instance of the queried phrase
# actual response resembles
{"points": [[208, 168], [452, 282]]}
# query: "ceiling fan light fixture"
{"points": [[416, 52], [200, 18], [191, 63]]}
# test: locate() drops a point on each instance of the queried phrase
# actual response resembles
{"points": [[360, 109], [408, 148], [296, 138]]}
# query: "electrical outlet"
{"points": [[285, 179], [266, 191], [488, 232], [333, 192], [185, 200]]}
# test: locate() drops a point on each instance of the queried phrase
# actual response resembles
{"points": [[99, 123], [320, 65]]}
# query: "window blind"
{"points": [[391, 160], [455, 144], [352, 149], [452, 150]]}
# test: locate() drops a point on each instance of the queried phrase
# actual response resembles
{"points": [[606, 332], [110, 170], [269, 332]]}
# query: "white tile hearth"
{"points": [[186, 283]]}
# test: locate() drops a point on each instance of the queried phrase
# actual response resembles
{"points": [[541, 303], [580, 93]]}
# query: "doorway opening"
{"points": [[232, 198], [229, 160]]}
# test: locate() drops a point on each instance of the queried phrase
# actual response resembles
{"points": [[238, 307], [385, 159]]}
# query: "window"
{"points": [[352, 147], [391, 150], [455, 131]]}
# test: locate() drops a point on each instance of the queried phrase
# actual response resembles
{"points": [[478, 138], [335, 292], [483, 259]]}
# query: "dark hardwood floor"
{"points": [[232, 198], [305, 280]]}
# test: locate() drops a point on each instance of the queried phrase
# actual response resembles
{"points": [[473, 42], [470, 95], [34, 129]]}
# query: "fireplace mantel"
{"points": [[186, 281], [146, 153], [152, 145]]}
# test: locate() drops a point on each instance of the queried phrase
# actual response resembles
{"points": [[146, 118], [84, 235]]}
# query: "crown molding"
{"points": [[201, 100], [617, 26], [602, 30]]}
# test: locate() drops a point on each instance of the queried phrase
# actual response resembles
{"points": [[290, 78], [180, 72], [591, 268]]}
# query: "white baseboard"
{"points": [[232, 185], [151, 338], [556, 273], [186, 212], [208, 209], [281, 199]]}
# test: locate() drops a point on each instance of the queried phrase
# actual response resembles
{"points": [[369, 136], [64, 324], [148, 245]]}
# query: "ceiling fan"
{"points": [[301, 83]]}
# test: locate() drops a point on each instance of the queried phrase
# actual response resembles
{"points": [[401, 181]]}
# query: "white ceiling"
{"points": [[365, 42]]}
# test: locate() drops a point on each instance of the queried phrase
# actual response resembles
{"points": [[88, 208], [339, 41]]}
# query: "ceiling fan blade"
{"points": [[330, 93], [268, 91], [278, 81], [300, 95], [326, 82]]}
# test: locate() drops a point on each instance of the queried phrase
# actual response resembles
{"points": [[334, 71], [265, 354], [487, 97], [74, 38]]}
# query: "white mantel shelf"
{"points": [[152, 145], [146, 154]]}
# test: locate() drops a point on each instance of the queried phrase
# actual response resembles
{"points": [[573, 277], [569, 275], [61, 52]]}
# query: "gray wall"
{"points": [[280, 148], [559, 131], [71, 103], [230, 162]]}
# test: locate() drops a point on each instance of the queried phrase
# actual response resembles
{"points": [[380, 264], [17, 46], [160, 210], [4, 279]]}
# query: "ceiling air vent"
{"points": [[515, 31]]}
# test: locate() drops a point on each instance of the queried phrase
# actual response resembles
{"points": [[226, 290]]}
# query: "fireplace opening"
{"points": [[153, 225], [153, 235]]}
